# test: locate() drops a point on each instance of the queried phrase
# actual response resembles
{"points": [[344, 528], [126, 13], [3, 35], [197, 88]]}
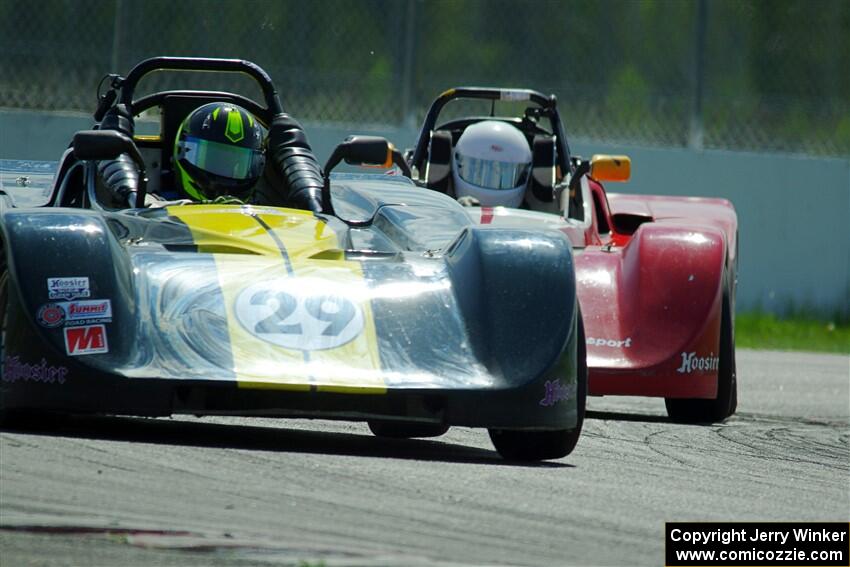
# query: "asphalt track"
{"points": [[118, 491]]}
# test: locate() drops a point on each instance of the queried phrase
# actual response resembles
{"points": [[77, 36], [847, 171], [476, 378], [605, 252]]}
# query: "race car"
{"points": [[391, 307], [656, 275]]}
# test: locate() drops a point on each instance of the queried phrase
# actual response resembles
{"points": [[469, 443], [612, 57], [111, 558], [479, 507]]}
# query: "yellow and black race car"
{"points": [[379, 303]]}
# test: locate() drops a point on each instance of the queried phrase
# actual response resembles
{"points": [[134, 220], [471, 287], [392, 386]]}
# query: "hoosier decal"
{"points": [[693, 363], [556, 392], [14, 370], [89, 339], [68, 288]]}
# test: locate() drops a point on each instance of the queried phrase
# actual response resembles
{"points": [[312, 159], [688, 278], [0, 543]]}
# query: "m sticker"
{"points": [[86, 340], [68, 288]]}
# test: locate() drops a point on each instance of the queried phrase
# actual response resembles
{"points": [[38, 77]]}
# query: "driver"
{"points": [[219, 154], [492, 165]]}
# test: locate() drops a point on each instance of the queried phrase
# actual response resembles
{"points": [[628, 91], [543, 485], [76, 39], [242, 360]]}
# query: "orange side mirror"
{"points": [[610, 168]]}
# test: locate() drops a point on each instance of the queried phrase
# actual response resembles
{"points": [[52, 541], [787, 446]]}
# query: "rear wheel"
{"points": [[726, 402], [519, 445], [400, 430]]}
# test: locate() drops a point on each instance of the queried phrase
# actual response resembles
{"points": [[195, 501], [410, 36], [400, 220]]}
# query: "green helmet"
{"points": [[219, 151]]}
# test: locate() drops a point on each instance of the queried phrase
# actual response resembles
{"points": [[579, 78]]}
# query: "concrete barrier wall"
{"points": [[793, 211]]}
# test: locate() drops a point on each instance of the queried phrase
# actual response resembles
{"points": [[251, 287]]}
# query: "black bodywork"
{"points": [[456, 324]]}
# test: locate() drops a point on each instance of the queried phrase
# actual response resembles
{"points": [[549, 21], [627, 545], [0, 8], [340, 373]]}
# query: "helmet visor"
{"points": [[235, 162], [492, 174]]}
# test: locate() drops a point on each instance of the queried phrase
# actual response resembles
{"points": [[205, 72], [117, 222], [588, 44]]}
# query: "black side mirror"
{"points": [[101, 144], [368, 151], [109, 144]]}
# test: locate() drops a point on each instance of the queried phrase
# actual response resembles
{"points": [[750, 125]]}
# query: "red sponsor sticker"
{"points": [[50, 315], [90, 339]]}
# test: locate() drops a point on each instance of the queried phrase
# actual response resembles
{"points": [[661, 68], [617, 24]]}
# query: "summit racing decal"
{"points": [[693, 363], [72, 313], [88, 311], [68, 288], [15, 370], [89, 339], [299, 313]]}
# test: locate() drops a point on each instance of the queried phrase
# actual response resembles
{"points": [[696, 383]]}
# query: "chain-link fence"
{"points": [[738, 74]]}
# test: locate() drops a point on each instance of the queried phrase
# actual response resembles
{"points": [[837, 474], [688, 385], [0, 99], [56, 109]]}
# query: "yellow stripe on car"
{"points": [[299, 315]]}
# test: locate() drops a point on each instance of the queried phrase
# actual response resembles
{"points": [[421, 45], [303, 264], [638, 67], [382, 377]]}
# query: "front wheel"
{"points": [[520, 445], [11, 418], [726, 402]]}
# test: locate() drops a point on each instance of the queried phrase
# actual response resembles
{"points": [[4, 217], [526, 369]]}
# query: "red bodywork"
{"points": [[655, 275], [650, 272]]}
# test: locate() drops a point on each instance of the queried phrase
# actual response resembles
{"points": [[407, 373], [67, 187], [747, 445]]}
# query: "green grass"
{"points": [[766, 331]]}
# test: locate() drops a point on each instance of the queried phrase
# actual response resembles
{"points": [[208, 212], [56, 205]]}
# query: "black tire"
{"points": [[519, 445], [716, 410], [14, 418], [5, 415], [400, 430]]}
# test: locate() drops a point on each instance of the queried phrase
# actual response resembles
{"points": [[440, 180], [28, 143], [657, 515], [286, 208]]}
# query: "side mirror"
{"points": [[610, 168], [101, 144], [109, 144], [367, 151]]}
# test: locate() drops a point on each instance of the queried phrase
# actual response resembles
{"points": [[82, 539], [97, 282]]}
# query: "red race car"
{"points": [[656, 275]]}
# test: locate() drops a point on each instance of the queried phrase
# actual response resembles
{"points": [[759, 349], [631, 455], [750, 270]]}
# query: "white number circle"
{"points": [[299, 313]]}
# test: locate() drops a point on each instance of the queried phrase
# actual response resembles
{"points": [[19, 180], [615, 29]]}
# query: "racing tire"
{"points": [[10, 418], [520, 445], [399, 430], [7, 417], [726, 402]]}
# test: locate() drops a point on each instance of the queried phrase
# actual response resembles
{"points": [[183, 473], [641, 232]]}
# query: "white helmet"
{"points": [[492, 163]]}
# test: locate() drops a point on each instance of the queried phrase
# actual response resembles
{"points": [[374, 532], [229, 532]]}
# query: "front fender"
{"points": [[77, 247], [518, 287], [660, 295]]}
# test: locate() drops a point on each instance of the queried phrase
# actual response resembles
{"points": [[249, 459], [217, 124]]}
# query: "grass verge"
{"points": [[766, 331]]}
